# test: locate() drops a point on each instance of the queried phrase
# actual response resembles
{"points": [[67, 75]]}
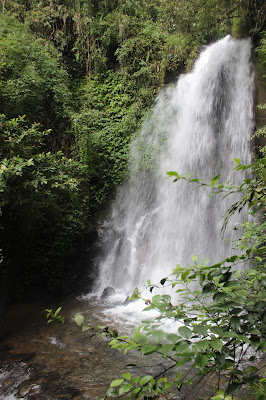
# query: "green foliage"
{"points": [[42, 203], [126, 50], [260, 389], [261, 52], [219, 322], [96, 331], [252, 188], [104, 128], [54, 316], [254, 14], [32, 82]]}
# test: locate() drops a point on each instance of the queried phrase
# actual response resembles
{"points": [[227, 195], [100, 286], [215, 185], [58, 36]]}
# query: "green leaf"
{"points": [[166, 297], [219, 296], [194, 259], [172, 337], [125, 388], [200, 278], [200, 330], [221, 396], [185, 332], [166, 348], [86, 328], [156, 299], [232, 259], [182, 347], [141, 339], [136, 379], [145, 380], [136, 391], [111, 392], [158, 335], [127, 375], [216, 344], [208, 288], [201, 345], [235, 322], [173, 173], [244, 338], [200, 361], [79, 319], [58, 310], [250, 370], [185, 275], [184, 360], [116, 383], [213, 181], [148, 308], [145, 350], [204, 262], [233, 283], [217, 330], [230, 334]]}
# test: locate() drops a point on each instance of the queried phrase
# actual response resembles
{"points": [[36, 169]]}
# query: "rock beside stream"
{"points": [[107, 292]]}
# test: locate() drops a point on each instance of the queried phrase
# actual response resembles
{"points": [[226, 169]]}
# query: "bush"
{"points": [[43, 205]]}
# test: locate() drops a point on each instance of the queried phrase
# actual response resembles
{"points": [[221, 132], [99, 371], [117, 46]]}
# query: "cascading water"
{"points": [[199, 125]]}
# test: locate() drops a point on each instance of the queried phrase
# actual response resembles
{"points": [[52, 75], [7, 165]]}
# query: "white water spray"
{"points": [[198, 125]]}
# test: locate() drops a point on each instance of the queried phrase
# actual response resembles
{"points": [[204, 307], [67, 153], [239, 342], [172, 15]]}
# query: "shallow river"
{"points": [[59, 362], [55, 361]]}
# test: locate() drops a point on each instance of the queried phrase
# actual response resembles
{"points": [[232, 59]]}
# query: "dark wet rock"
{"points": [[27, 357], [23, 357], [127, 301], [52, 376], [64, 393], [24, 388], [108, 291], [37, 396], [7, 382]]}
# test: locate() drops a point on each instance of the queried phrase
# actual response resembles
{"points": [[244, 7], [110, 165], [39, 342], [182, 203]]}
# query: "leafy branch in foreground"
{"points": [[220, 325], [252, 189]]}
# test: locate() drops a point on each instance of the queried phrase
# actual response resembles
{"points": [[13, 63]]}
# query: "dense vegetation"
{"points": [[76, 79]]}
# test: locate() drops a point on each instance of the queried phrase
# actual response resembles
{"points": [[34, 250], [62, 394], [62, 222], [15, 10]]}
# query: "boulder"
{"points": [[108, 291]]}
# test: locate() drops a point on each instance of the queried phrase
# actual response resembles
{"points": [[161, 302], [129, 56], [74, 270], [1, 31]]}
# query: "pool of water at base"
{"points": [[55, 361], [60, 362]]}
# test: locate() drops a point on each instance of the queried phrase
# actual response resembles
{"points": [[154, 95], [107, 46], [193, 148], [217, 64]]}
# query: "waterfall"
{"points": [[198, 125]]}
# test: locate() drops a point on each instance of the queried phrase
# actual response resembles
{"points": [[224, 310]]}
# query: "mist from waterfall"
{"points": [[198, 125]]}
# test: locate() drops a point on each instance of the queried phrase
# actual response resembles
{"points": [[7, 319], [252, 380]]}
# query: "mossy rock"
{"points": [[241, 26]]}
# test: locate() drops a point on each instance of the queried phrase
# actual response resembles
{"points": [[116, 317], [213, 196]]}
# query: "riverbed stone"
{"points": [[7, 382], [108, 291], [24, 388]]}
